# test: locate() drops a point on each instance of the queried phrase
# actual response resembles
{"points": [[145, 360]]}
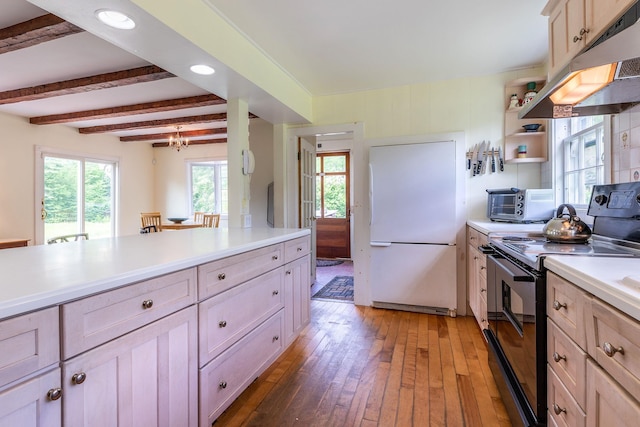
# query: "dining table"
{"points": [[180, 225]]}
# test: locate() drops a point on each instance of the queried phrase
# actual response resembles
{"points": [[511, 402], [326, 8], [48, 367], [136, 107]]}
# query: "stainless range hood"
{"points": [[616, 54]]}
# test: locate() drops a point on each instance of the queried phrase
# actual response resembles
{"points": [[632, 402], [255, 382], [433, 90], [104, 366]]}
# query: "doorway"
{"points": [[333, 227]]}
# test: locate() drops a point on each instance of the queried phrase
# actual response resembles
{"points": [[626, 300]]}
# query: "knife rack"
{"points": [[490, 156]]}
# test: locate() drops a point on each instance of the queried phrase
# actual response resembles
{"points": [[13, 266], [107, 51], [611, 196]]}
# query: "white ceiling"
{"points": [[329, 47]]}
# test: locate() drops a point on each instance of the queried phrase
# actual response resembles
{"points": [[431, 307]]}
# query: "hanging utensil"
{"points": [[500, 160]]}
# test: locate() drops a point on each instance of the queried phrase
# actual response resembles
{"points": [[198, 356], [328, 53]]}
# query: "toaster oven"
{"points": [[518, 205]]}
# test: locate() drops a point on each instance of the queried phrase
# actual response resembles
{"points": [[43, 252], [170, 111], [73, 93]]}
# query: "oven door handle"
{"points": [[516, 274]]}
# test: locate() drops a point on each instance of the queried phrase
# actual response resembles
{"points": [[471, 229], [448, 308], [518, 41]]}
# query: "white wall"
{"points": [[261, 143], [17, 172], [625, 147]]}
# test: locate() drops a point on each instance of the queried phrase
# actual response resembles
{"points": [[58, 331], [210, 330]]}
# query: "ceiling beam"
{"points": [[186, 134], [35, 31], [126, 110], [177, 121], [194, 142], [85, 84]]}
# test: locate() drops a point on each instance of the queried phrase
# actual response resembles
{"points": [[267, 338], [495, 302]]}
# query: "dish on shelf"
{"points": [[531, 127], [177, 220]]}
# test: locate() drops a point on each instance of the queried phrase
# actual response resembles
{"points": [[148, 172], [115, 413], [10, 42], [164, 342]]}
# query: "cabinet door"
{"points": [[28, 404], [608, 404], [145, 378], [600, 14], [566, 33], [297, 287]]}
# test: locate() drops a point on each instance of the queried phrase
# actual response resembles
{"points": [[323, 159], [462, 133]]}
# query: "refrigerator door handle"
{"points": [[380, 244], [370, 194]]}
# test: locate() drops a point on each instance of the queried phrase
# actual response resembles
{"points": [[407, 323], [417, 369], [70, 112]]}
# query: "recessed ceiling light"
{"points": [[205, 70], [115, 19]]}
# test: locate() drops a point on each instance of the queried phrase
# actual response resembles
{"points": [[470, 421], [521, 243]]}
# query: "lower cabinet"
{"points": [[145, 378], [33, 403], [226, 376], [477, 276], [297, 294]]}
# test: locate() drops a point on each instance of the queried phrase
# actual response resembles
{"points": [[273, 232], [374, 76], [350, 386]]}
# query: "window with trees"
{"points": [[209, 186], [331, 185]]}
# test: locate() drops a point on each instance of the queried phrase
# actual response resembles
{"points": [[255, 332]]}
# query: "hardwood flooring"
{"points": [[361, 366]]}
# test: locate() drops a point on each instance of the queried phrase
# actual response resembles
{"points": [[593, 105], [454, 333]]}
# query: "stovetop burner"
{"points": [[517, 239]]}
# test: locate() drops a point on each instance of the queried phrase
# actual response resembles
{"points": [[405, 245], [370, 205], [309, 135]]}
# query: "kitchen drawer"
{"points": [[565, 306], [476, 238], [222, 380], [296, 248], [607, 403], [563, 409], [94, 320], [27, 404], [227, 317], [29, 343], [614, 342], [568, 361], [218, 276]]}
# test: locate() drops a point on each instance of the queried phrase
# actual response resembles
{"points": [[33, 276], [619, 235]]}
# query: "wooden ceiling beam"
{"points": [[85, 84], [128, 110], [35, 31], [177, 121], [194, 142], [166, 135]]}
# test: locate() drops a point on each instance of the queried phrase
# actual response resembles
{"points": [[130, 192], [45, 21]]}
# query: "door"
{"points": [[307, 192], [332, 205]]}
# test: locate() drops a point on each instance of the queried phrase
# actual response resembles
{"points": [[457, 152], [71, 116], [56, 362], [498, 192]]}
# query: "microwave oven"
{"points": [[517, 205]]}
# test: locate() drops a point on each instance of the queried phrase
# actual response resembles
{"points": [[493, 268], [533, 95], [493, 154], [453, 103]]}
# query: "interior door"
{"points": [[307, 192], [332, 205]]}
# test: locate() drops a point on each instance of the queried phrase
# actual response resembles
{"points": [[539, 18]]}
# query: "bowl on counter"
{"points": [[532, 127], [177, 220]]}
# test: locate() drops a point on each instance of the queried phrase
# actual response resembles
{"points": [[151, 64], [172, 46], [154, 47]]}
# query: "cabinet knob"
{"points": [[557, 305], [148, 303], [275, 257], [483, 289], [475, 257], [483, 268], [610, 350], [275, 338], [299, 249], [557, 409], [222, 323], [78, 378], [275, 292], [223, 384], [557, 358], [54, 394], [222, 276], [288, 272]]}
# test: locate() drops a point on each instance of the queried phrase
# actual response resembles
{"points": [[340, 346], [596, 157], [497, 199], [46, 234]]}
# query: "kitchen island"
{"points": [[146, 329]]}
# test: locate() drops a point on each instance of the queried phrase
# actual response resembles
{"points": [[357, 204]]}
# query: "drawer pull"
{"points": [[288, 272], [223, 384], [222, 276], [558, 410], [557, 305], [54, 394], [299, 249], [557, 358], [275, 257], [483, 289], [276, 292], [222, 323], [148, 303], [610, 350], [483, 268], [275, 338], [78, 378]]}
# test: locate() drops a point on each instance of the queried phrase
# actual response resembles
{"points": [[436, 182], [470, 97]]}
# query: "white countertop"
{"points": [[486, 227], [35, 277], [604, 277]]}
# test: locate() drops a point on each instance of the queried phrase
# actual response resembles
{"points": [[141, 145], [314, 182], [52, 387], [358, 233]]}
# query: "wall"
{"points": [[17, 173], [261, 143], [625, 147]]}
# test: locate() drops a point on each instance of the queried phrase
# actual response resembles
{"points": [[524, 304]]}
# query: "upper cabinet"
{"points": [[575, 24], [521, 145]]}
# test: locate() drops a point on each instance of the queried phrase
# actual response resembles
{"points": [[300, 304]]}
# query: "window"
{"points": [[332, 185], [209, 186], [582, 149], [78, 196]]}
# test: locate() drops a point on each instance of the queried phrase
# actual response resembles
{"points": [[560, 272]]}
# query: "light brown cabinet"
{"points": [[576, 24], [477, 276]]}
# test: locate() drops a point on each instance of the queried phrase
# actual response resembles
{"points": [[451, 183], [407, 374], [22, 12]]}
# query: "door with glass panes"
{"points": [[332, 205]]}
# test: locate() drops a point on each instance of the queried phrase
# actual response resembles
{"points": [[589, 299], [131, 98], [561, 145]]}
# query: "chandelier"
{"points": [[178, 141]]}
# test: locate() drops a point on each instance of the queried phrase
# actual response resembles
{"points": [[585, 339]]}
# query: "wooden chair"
{"points": [[211, 220], [148, 229], [198, 217], [68, 237], [151, 218]]}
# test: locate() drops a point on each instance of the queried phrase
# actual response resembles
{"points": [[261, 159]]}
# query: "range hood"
{"points": [[614, 56]]}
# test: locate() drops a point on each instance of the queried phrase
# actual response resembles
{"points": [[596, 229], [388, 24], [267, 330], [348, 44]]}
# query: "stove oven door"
{"points": [[515, 338]]}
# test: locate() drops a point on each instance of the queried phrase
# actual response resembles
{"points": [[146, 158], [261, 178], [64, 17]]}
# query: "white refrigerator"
{"points": [[412, 193]]}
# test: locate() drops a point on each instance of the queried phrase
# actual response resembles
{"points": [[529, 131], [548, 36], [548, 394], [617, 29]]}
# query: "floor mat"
{"points": [[339, 288], [327, 262]]}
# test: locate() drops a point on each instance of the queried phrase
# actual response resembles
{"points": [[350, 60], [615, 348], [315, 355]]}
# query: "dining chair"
{"points": [[68, 237], [148, 229], [198, 217], [151, 218], [211, 220]]}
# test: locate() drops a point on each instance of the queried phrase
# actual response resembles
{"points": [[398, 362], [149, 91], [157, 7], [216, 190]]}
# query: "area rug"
{"points": [[327, 262], [339, 288]]}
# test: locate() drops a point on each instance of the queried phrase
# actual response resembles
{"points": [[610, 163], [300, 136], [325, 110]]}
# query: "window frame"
{"points": [[218, 162]]}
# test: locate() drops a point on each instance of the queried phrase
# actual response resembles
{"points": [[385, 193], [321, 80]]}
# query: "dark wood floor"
{"points": [[360, 366]]}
